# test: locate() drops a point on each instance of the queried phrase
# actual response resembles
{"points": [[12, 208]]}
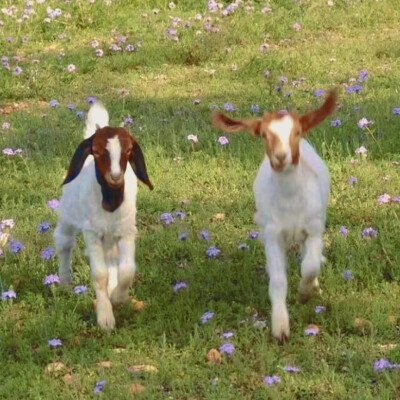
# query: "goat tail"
{"points": [[97, 118]]}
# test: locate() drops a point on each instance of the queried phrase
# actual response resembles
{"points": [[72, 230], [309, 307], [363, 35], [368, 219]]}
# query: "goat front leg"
{"points": [[126, 269], [64, 237], [276, 269], [95, 251], [310, 267]]}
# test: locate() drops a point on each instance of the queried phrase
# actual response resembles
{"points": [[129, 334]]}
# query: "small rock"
{"points": [[137, 388], [105, 364], [67, 378], [213, 356], [138, 305], [54, 368], [218, 217], [141, 368]]}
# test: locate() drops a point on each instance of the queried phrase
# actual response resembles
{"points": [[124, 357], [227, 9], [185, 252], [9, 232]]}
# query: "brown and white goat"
{"points": [[291, 192], [99, 199]]}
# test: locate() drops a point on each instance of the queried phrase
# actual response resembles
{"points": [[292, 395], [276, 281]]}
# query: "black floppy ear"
{"points": [[81, 153], [136, 160]]}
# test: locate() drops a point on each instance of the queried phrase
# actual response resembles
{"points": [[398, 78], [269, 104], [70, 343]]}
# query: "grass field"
{"points": [[166, 67]]}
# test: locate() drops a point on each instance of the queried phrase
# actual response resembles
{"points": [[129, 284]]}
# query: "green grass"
{"points": [[163, 78]]}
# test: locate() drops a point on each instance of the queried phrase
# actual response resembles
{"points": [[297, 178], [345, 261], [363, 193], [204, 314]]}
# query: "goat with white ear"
{"points": [[291, 192], [99, 199]]}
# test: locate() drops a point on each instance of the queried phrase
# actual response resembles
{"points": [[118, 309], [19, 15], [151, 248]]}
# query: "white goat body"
{"points": [[109, 236]]}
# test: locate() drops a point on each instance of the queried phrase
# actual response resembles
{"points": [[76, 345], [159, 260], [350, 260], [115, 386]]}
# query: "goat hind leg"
{"points": [[126, 270], [65, 242], [310, 267]]}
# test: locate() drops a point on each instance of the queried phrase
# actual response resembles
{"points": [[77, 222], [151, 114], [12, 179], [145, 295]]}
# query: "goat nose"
{"points": [[281, 157], [115, 176]]}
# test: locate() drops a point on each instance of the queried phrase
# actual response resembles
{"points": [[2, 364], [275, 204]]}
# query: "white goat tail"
{"points": [[97, 118]]}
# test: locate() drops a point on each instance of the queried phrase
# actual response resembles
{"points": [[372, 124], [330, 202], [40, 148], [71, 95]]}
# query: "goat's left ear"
{"points": [[136, 160], [315, 117], [78, 159]]}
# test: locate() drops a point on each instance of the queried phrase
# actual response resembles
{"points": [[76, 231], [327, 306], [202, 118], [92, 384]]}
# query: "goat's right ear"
{"points": [[221, 121], [81, 153]]}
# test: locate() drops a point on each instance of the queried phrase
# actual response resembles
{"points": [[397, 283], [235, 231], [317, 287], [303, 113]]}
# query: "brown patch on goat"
{"points": [[259, 127]]}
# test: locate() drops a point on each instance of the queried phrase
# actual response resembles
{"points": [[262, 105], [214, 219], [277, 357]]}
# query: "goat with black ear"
{"points": [[99, 199]]}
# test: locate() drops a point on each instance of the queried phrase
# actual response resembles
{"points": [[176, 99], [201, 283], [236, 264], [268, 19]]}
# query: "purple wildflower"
{"points": [[384, 199], [100, 385], [91, 100], [363, 76], [8, 294], [291, 368], [336, 122], [363, 123], [229, 107], [51, 279], [223, 140], [353, 89], [319, 93], [206, 316], [80, 114], [16, 247], [80, 289], [361, 150], [382, 364], [180, 214], [396, 110], [243, 246], [95, 43], [53, 204], [271, 380], [253, 235], [227, 348], [71, 106], [319, 309], [204, 235], [71, 68], [343, 231], [369, 232], [54, 342], [17, 71], [347, 275], [227, 335], [54, 103], [396, 199], [6, 126], [128, 121], [99, 53], [1, 251], [296, 26], [264, 47], [43, 227], [11, 152], [179, 286], [212, 5], [352, 180], [182, 236], [166, 218], [255, 108], [311, 331], [213, 252], [283, 79], [47, 253], [130, 48]]}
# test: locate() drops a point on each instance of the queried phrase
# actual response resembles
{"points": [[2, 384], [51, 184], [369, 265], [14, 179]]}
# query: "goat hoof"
{"points": [[106, 321], [304, 297], [283, 339]]}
